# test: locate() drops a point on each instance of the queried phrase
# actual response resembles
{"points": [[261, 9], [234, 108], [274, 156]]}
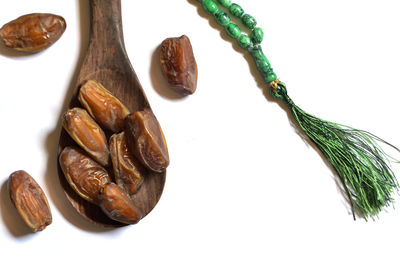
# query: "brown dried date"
{"points": [[179, 65], [104, 107], [117, 205], [33, 32], [83, 174], [87, 133], [128, 171], [146, 140], [29, 200]]}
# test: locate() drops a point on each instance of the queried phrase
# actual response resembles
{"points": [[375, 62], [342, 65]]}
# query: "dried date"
{"points": [[33, 32], [87, 133], [117, 205], [128, 171], [30, 200], [146, 140], [179, 65], [104, 107], [83, 174]]}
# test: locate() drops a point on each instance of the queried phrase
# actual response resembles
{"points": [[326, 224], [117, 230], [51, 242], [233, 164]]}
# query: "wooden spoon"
{"points": [[106, 62]]}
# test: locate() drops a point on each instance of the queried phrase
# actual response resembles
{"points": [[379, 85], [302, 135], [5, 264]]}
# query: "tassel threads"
{"points": [[359, 161]]}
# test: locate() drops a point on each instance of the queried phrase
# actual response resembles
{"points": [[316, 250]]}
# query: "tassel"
{"points": [[359, 161]]}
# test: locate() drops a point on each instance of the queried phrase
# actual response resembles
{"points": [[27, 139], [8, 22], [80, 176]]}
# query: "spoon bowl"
{"points": [[106, 62]]}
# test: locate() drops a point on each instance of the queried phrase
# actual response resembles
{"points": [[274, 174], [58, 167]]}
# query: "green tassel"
{"points": [[359, 161]]}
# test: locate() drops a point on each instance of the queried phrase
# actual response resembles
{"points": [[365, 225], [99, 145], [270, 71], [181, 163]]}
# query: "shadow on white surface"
{"points": [[12, 220]]}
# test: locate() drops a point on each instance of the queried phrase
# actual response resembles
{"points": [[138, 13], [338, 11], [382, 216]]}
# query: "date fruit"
{"points": [[179, 65], [29, 200], [146, 140], [33, 32], [117, 205], [128, 171], [87, 133], [83, 174], [104, 107]]}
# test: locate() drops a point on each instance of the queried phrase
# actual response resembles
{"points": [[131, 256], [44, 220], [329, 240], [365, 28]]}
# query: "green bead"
{"points": [[263, 64], [249, 21], [222, 18], [236, 10], [271, 77], [257, 35], [266, 71], [245, 41], [258, 55], [210, 6], [225, 3], [264, 67], [233, 30]]}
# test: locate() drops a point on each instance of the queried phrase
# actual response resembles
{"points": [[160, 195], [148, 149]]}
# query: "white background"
{"points": [[243, 188]]}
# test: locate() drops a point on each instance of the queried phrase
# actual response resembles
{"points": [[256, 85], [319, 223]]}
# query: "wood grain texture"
{"points": [[106, 62]]}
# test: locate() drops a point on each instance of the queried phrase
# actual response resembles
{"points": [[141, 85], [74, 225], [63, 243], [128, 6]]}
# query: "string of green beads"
{"points": [[251, 43]]}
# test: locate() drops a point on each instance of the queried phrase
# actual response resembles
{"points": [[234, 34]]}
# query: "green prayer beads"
{"points": [[250, 43], [355, 155]]}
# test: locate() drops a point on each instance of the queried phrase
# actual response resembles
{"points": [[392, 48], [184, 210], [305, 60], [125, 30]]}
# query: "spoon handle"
{"points": [[106, 26]]}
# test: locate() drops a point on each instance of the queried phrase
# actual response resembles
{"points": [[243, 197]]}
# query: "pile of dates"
{"points": [[136, 146]]}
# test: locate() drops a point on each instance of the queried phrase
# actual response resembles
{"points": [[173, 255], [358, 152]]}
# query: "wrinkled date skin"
{"points": [[117, 205], [83, 174], [179, 65], [128, 171], [107, 110], [29, 200], [146, 140], [33, 32], [87, 134]]}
